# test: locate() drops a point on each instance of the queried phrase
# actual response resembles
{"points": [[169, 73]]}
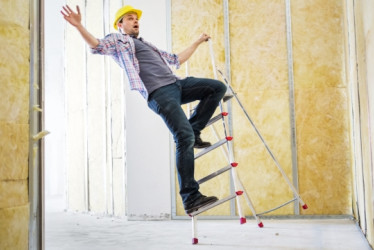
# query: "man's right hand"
{"points": [[72, 17], [75, 20]]}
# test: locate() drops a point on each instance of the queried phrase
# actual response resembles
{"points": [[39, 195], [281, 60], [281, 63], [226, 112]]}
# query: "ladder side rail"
{"points": [[295, 192], [250, 204]]}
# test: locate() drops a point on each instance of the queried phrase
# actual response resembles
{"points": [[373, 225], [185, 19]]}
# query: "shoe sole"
{"points": [[208, 202], [202, 146]]}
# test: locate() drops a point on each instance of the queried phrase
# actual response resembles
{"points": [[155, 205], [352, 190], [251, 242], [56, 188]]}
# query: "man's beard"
{"points": [[134, 34]]}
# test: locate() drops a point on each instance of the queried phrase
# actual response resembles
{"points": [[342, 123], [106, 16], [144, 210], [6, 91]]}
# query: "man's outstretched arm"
{"points": [[75, 20], [187, 53]]}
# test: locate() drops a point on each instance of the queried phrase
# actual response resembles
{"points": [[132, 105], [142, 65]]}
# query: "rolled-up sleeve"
{"points": [[106, 46], [171, 58]]}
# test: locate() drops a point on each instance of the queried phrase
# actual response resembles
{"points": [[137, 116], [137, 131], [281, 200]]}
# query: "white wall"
{"points": [[78, 92], [54, 110], [147, 138]]}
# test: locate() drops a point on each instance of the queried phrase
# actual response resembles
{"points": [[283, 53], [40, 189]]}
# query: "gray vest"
{"points": [[153, 70]]}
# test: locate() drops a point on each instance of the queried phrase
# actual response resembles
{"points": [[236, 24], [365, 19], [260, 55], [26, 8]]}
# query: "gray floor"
{"points": [[65, 230]]}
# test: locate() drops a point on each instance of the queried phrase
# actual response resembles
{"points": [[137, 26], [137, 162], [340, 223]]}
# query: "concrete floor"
{"points": [[73, 231]]}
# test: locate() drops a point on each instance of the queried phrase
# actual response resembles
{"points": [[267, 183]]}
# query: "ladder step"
{"points": [[227, 97], [216, 118], [203, 209], [212, 175], [214, 146]]}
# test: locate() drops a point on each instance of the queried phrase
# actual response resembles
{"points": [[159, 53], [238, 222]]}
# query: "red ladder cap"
{"points": [[260, 224], [305, 206], [195, 241], [239, 192]]}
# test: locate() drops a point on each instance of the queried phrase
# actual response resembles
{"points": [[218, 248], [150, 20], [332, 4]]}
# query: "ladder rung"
{"points": [[214, 146], [224, 99], [212, 175], [216, 118], [205, 208], [227, 97]]}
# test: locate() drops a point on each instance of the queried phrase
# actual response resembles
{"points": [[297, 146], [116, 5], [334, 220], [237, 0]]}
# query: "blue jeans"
{"points": [[166, 102]]}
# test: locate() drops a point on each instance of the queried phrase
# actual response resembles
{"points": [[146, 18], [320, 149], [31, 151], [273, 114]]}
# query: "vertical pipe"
{"points": [[292, 103], [172, 152], [108, 169], [87, 165], [42, 125], [36, 185]]}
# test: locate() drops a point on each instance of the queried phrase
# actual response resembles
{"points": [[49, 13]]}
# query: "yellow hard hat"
{"points": [[124, 10]]}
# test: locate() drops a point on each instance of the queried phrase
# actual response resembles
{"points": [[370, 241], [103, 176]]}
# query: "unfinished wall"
{"points": [[361, 48], [259, 73], [322, 115], [259, 76], [14, 124]]}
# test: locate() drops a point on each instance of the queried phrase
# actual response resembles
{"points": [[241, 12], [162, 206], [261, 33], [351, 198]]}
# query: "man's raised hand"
{"points": [[74, 18]]}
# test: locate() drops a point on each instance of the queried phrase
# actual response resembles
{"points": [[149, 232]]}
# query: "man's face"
{"points": [[130, 24]]}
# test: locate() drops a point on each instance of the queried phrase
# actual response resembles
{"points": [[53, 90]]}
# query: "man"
{"points": [[149, 73]]}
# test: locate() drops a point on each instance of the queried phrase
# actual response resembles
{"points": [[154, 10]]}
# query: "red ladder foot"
{"points": [[243, 220], [260, 224], [305, 206], [195, 241]]}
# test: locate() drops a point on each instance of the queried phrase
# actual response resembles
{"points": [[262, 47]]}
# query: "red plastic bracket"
{"points": [[195, 241], [305, 206], [225, 114], [260, 224], [229, 138], [239, 192], [234, 164]]}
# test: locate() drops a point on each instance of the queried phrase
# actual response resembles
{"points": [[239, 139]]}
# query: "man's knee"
{"points": [[221, 88], [185, 138]]}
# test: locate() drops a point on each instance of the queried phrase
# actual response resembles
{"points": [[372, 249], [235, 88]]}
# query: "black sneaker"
{"points": [[200, 143], [200, 202]]}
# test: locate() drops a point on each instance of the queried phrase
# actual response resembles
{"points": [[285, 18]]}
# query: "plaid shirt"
{"points": [[122, 48]]}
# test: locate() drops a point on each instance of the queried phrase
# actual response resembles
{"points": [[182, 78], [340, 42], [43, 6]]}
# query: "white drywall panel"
{"points": [[147, 138], [54, 108]]}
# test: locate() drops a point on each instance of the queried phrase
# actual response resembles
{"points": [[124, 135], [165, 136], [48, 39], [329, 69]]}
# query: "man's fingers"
{"points": [[69, 9], [78, 10], [205, 37], [66, 11]]}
